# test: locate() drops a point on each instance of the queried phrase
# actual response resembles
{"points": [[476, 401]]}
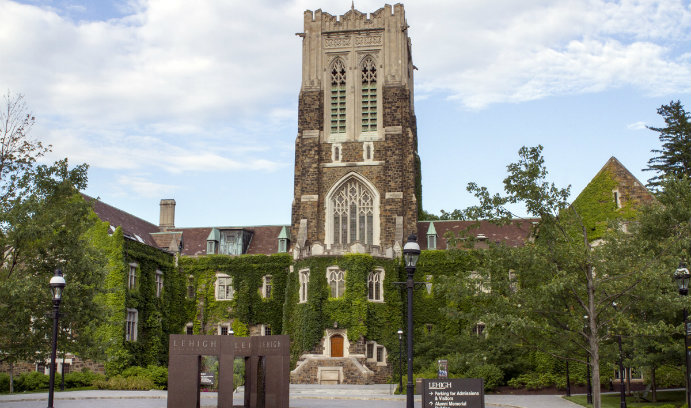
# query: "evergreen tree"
{"points": [[674, 158]]}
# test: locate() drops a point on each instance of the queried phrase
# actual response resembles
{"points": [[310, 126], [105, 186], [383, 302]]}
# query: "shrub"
{"points": [[668, 377], [134, 383], [84, 378], [4, 382], [535, 381], [157, 375], [31, 381], [491, 374]]}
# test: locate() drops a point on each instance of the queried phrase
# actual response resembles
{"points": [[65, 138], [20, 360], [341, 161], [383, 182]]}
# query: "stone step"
{"points": [[342, 389]]}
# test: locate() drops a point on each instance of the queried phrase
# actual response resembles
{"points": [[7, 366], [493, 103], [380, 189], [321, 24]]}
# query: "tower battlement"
{"points": [[354, 19]]}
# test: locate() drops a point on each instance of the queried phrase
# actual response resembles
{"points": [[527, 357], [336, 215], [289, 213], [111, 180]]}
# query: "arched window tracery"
{"points": [[353, 213]]}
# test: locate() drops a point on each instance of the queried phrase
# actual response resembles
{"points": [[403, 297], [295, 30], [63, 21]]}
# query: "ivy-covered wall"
{"points": [[374, 321], [247, 307]]}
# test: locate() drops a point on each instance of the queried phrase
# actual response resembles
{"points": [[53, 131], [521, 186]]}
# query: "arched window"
{"points": [[368, 103], [375, 289], [353, 213], [336, 280], [304, 284], [338, 97]]}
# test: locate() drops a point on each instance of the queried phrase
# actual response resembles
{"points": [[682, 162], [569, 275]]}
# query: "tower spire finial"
{"points": [[352, 5]]}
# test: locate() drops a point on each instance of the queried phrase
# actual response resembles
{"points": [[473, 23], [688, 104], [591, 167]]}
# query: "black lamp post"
{"points": [[400, 360], [681, 276], [411, 253], [57, 284], [622, 393]]}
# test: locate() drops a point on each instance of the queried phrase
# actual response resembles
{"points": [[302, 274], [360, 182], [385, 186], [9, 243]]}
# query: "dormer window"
{"points": [[212, 241], [283, 238], [431, 236]]}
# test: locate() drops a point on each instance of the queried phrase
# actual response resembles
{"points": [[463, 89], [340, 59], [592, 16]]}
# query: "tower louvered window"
{"points": [[338, 97], [353, 213], [369, 95]]}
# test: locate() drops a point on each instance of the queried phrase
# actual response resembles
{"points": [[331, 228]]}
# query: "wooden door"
{"points": [[336, 345]]}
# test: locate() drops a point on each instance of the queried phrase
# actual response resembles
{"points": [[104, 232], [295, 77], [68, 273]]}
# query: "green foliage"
{"points": [[674, 158], [667, 377], [31, 381], [158, 375], [4, 382], [491, 374], [84, 378], [136, 383], [375, 321], [596, 207], [247, 307]]}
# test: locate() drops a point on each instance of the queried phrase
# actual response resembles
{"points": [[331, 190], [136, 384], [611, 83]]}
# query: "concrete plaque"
{"points": [[460, 392]]}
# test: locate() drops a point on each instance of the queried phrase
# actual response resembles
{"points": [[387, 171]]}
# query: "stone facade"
{"points": [[331, 150]]}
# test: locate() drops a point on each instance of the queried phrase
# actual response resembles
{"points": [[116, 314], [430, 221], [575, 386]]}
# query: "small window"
{"points": [[131, 326], [617, 198], [190, 287], [267, 287], [335, 278], [224, 287], [428, 284], [282, 245], [336, 152], [380, 354], [370, 350], [224, 330], [431, 242], [479, 329], [368, 151], [267, 330], [159, 283], [210, 247], [304, 283], [132, 276], [189, 328]]}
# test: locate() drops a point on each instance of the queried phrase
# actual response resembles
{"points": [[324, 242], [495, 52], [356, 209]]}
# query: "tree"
{"points": [[674, 157], [45, 224], [557, 284]]}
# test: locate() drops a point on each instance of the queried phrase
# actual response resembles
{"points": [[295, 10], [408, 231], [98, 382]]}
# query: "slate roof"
{"points": [[514, 234], [133, 227], [264, 239]]}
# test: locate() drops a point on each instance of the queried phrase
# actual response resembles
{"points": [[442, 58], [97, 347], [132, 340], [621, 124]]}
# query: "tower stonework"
{"points": [[356, 162]]}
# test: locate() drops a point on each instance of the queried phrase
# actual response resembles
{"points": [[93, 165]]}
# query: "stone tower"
{"points": [[357, 170]]}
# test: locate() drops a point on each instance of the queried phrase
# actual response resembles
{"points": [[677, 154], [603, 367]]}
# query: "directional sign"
{"points": [[460, 392]]}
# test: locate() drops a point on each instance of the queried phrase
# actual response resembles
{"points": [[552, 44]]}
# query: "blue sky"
{"points": [[198, 101]]}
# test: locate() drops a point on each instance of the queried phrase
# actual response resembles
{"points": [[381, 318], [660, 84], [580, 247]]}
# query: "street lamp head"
{"points": [[231, 332], [411, 251], [681, 275], [400, 334], [57, 284]]}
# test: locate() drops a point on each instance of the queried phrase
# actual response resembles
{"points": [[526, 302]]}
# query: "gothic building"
{"points": [[357, 171]]}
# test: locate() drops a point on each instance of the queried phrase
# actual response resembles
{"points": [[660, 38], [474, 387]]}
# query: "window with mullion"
{"points": [[368, 102], [338, 97]]}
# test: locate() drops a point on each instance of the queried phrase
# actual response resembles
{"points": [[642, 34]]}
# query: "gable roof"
{"points": [[132, 227], [516, 233]]}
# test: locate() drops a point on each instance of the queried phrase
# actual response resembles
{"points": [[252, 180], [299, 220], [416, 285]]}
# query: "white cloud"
{"points": [[637, 126], [144, 187]]}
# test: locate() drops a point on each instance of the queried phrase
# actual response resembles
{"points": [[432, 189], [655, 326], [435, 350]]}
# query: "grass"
{"points": [[676, 398]]}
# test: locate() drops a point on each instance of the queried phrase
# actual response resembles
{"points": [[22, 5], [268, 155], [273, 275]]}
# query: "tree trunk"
{"points": [[593, 338], [628, 381], [11, 377], [653, 386]]}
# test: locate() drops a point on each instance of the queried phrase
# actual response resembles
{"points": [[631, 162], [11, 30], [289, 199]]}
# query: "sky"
{"points": [[197, 101]]}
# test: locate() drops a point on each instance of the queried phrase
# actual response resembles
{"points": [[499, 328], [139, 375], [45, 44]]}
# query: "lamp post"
{"points": [[622, 387], [400, 360], [57, 284], [681, 276], [411, 253]]}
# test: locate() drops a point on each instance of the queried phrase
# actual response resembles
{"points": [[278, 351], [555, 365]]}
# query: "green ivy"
{"points": [[247, 307], [375, 321]]}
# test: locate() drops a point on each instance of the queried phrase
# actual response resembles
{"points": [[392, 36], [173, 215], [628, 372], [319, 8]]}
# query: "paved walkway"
{"points": [[300, 397]]}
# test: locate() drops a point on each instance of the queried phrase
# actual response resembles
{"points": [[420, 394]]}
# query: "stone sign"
{"points": [[267, 369], [461, 392]]}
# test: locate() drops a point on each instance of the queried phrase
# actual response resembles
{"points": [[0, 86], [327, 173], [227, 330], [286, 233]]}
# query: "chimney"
{"points": [[167, 219]]}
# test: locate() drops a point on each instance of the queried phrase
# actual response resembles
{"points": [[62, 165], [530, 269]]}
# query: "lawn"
{"points": [[664, 398]]}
